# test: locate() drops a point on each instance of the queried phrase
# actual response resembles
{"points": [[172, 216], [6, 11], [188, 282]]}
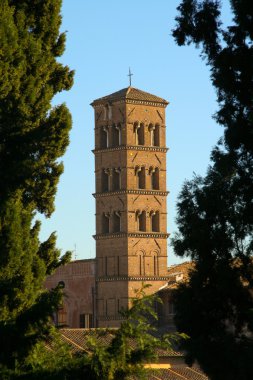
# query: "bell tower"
{"points": [[131, 212]]}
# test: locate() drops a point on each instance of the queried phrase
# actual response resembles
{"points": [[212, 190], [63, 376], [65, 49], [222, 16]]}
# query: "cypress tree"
{"points": [[33, 136]]}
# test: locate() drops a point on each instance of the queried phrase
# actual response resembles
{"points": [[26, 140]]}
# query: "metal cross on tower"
{"points": [[129, 75]]}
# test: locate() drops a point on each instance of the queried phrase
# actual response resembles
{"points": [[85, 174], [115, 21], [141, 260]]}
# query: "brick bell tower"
{"points": [[131, 213]]}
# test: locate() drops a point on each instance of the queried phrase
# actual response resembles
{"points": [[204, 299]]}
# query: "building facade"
{"points": [[131, 212], [78, 281]]}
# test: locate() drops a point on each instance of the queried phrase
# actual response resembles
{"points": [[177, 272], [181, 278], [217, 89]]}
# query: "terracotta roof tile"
{"points": [[78, 340], [176, 373], [129, 93], [180, 268]]}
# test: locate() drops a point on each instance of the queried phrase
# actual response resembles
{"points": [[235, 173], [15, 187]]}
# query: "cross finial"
{"points": [[129, 75]]}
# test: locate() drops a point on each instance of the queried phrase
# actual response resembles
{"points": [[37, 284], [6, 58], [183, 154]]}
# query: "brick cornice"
{"points": [[132, 147], [130, 101], [132, 278], [139, 191], [155, 235]]}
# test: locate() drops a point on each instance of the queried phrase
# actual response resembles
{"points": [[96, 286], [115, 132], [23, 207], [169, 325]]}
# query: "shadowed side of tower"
{"points": [[131, 212]]}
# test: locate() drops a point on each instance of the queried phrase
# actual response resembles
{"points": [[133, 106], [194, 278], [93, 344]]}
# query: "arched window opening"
{"points": [[141, 220], [140, 177], [117, 221], [118, 135], [156, 135], [154, 221], [105, 223], [103, 137], [154, 178], [151, 131], [139, 133], [106, 111], [115, 137], [105, 180], [117, 179]]}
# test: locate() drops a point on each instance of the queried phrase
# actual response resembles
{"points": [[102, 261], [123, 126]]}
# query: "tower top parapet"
{"points": [[131, 95]]}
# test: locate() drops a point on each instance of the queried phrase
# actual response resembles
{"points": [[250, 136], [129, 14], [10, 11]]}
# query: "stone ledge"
{"points": [[132, 147], [156, 235], [140, 191], [132, 278]]}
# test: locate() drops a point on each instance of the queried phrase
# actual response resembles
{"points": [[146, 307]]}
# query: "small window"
{"points": [[86, 321], [154, 178], [139, 133], [103, 138], [105, 223], [154, 221], [157, 135], [117, 135], [62, 316], [116, 221], [105, 180], [151, 132], [141, 220], [117, 179], [140, 177]]}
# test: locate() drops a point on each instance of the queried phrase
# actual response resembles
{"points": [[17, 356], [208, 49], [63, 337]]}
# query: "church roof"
{"points": [[131, 94]]}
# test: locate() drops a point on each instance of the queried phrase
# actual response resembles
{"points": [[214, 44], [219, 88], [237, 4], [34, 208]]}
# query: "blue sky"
{"points": [[104, 39]]}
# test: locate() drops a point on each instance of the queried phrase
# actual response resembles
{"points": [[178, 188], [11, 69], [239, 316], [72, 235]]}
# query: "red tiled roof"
{"points": [[78, 340], [177, 373], [129, 93], [183, 268]]}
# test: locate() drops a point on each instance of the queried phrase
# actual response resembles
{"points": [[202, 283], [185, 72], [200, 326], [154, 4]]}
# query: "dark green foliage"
{"points": [[122, 356], [33, 136], [215, 213], [133, 345], [229, 54]]}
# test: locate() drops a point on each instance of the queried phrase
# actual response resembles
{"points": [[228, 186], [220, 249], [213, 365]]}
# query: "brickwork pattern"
{"points": [[131, 211]]}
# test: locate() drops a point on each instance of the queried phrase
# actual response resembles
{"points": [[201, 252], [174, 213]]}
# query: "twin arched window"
{"points": [[110, 136], [147, 221], [141, 179], [153, 136], [111, 222], [110, 179]]}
